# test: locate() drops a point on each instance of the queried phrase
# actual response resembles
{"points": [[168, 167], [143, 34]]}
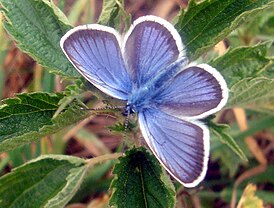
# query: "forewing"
{"points": [[150, 45], [181, 146], [95, 52], [195, 92]]}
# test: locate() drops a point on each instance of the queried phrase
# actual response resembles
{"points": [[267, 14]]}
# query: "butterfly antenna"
{"points": [[125, 131], [104, 108]]}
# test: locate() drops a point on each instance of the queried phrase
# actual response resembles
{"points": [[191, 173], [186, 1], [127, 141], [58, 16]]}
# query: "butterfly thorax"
{"points": [[139, 99], [143, 96]]}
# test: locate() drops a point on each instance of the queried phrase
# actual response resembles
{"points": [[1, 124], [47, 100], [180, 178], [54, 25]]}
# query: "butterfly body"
{"points": [[148, 68], [144, 96]]}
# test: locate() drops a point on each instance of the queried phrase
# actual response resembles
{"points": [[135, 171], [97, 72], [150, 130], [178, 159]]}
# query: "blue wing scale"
{"points": [[194, 93], [150, 45], [181, 146], [95, 52]]}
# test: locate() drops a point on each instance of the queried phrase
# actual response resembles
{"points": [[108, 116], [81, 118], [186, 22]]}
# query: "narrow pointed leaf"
{"points": [[229, 161], [71, 92], [219, 130], [141, 182], [49, 181], [112, 13]]}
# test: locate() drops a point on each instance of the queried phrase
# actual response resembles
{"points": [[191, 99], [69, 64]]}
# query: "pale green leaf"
{"points": [[37, 26], [77, 10], [112, 13], [265, 195], [252, 93], [259, 28], [204, 24], [28, 117], [249, 199], [71, 92], [141, 182], [3, 40], [228, 159], [242, 62], [219, 130], [230, 162], [95, 181], [48, 181]]}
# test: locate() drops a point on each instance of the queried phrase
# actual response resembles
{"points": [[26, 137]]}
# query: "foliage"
{"points": [[141, 182], [220, 131], [205, 24], [249, 200], [243, 62], [37, 27], [112, 13], [52, 180], [30, 116]]}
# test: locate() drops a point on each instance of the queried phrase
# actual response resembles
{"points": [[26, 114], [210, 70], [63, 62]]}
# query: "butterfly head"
{"points": [[129, 109]]}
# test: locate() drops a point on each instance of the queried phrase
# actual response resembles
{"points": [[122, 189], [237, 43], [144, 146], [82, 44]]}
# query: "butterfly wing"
{"points": [[195, 92], [181, 146], [150, 45], [95, 52]]}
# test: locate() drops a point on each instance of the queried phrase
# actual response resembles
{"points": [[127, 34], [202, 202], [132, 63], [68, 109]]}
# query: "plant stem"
{"points": [[103, 158]]}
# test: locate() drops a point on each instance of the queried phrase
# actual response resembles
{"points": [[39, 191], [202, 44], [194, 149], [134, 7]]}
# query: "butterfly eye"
{"points": [[129, 109]]}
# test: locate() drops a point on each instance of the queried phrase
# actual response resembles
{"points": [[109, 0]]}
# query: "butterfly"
{"points": [[147, 67]]}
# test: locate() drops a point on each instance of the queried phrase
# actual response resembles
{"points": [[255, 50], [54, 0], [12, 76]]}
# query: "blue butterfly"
{"points": [[148, 68]]}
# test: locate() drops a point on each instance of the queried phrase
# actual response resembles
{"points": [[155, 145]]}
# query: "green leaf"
{"points": [[252, 93], [259, 28], [112, 12], [3, 40], [94, 182], [28, 117], [228, 159], [24, 153], [141, 182], [220, 132], [204, 24], [243, 62], [72, 92], [37, 26], [48, 181], [76, 11], [266, 196], [267, 25]]}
